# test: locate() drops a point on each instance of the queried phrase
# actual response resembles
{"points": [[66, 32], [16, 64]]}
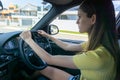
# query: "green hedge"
{"points": [[72, 32]]}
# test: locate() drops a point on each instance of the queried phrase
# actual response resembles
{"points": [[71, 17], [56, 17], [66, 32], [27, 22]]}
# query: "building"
{"points": [[27, 15]]}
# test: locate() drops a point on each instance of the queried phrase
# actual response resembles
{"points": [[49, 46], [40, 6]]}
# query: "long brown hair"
{"points": [[103, 32]]}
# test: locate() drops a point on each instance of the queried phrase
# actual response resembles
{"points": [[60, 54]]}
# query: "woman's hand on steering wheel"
{"points": [[26, 35], [43, 33], [30, 58]]}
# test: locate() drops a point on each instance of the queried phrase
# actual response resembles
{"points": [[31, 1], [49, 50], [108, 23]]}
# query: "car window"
{"points": [[116, 6], [19, 15], [68, 29], [66, 23]]}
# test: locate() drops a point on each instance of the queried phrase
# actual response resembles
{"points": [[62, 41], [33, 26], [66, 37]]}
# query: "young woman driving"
{"points": [[97, 58]]}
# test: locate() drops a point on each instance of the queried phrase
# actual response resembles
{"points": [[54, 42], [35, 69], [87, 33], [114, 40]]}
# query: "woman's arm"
{"points": [[63, 61], [63, 45]]}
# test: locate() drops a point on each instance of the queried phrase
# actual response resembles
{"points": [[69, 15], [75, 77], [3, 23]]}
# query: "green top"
{"points": [[96, 64]]}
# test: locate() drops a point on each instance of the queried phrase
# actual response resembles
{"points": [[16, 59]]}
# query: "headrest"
{"points": [[1, 6], [59, 2]]}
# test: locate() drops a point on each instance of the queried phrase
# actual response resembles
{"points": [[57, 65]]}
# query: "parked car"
{"points": [[18, 61]]}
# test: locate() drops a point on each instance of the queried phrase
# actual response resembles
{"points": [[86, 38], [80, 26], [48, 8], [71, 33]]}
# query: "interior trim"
{"points": [[59, 2]]}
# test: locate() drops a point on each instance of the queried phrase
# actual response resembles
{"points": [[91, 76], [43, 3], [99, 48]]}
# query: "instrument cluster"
{"points": [[11, 46]]}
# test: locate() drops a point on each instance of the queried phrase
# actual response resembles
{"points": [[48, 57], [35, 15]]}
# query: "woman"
{"points": [[97, 58]]}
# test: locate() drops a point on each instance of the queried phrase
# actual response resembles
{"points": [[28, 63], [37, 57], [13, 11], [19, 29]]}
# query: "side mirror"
{"points": [[53, 29]]}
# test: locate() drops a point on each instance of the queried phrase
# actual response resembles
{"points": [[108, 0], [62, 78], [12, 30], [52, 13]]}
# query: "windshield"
{"points": [[117, 7], [19, 15]]}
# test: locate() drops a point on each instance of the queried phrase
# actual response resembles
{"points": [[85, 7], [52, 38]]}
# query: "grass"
{"points": [[72, 32]]}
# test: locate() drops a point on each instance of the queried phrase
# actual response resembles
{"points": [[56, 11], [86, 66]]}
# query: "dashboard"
{"points": [[9, 50], [9, 47]]}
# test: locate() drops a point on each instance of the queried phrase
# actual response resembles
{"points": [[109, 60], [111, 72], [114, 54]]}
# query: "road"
{"points": [[4, 29], [72, 36], [60, 35]]}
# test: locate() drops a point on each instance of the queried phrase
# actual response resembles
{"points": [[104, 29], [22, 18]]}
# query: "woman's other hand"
{"points": [[43, 33]]}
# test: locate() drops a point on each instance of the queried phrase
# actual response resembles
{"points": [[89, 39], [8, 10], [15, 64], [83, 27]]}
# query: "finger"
{"points": [[39, 31]]}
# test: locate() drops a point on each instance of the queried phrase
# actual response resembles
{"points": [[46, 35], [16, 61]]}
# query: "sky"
{"points": [[6, 3]]}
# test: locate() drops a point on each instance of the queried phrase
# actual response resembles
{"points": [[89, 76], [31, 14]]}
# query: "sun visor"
{"points": [[59, 2]]}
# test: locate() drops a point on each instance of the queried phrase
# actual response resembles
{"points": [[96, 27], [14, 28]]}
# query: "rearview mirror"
{"points": [[60, 2]]}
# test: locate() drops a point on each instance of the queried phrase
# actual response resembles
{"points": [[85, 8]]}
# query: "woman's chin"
{"points": [[81, 31]]}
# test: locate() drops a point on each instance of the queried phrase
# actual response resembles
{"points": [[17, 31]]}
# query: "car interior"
{"points": [[18, 61]]}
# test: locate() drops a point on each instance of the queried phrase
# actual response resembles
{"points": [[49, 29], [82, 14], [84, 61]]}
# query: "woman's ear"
{"points": [[93, 19]]}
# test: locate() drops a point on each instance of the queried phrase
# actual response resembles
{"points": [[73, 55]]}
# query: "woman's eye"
{"points": [[79, 17]]}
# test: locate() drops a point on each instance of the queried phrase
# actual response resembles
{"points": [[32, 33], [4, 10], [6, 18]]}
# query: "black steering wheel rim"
{"points": [[29, 56]]}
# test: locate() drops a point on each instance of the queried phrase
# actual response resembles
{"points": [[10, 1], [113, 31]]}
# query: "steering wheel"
{"points": [[30, 58]]}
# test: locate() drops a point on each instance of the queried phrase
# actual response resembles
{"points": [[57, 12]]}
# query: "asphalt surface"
{"points": [[82, 37], [60, 35]]}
